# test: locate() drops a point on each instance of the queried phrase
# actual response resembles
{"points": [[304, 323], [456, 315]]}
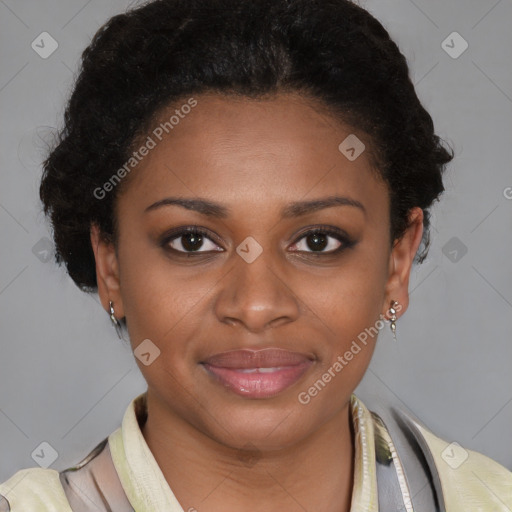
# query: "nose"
{"points": [[257, 296]]}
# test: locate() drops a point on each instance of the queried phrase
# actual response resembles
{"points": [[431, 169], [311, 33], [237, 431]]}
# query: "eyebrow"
{"points": [[295, 209]]}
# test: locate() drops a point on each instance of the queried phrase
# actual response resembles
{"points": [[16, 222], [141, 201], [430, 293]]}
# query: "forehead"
{"points": [[248, 151]]}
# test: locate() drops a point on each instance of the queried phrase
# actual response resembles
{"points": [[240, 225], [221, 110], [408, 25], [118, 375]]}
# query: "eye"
{"points": [[323, 240], [191, 240]]}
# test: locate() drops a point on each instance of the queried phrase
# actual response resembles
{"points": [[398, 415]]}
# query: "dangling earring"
{"points": [[114, 320], [392, 317]]}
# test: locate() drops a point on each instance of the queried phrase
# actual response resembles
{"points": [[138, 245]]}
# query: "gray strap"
{"points": [[408, 422], [425, 497], [388, 487], [94, 485]]}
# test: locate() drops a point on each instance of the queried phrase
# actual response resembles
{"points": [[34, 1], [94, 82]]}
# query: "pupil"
{"points": [[319, 239], [192, 241]]}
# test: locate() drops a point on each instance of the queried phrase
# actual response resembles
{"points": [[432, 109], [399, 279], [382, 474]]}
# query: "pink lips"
{"points": [[258, 374]]}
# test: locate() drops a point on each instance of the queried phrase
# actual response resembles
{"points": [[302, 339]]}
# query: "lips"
{"points": [[264, 358], [258, 373]]}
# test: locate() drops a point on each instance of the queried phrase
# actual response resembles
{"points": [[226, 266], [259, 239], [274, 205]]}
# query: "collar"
{"points": [[147, 489]]}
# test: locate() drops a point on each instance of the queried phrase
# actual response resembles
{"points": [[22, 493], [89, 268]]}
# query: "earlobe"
{"points": [[401, 260], [107, 271]]}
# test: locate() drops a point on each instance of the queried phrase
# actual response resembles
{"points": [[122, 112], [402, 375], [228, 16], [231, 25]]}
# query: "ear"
{"points": [[107, 272], [400, 263]]}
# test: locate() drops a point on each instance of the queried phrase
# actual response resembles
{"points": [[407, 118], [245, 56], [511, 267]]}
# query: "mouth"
{"points": [[258, 374]]}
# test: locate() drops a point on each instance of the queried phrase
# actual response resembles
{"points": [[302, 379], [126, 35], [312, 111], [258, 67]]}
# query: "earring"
{"points": [[392, 317], [114, 320]]}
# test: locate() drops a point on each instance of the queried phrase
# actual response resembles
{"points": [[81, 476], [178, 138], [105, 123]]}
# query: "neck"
{"points": [[207, 476]]}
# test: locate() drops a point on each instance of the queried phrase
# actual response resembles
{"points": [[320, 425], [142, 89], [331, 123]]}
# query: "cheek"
{"points": [[350, 307], [165, 303], [352, 297], [152, 300], [158, 308]]}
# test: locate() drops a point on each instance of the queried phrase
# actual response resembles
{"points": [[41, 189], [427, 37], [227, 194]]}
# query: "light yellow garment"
{"points": [[480, 484]]}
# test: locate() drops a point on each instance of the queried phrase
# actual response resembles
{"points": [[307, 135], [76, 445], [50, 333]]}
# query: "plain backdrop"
{"points": [[66, 379]]}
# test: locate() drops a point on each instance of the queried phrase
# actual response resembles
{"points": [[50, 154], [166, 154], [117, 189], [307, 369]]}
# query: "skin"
{"points": [[254, 157]]}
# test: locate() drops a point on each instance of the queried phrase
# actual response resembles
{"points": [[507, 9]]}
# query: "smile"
{"points": [[260, 382]]}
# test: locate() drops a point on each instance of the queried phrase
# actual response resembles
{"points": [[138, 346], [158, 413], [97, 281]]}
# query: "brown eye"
{"points": [[323, 241], [190, 241]]}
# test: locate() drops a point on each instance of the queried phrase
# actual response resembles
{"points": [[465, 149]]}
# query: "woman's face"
{"points": [[257, 277]]}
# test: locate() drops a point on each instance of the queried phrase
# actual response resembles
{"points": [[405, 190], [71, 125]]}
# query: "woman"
{"points": [[247, 185]]}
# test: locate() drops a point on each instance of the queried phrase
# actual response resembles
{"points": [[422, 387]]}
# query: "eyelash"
{"points": [[338, 234]]}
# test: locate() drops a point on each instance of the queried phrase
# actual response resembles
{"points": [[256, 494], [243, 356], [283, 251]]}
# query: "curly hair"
{"points": [[147, 58]]}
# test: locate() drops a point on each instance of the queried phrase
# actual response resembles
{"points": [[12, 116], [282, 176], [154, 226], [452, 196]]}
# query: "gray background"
{"points": [[66, 379]]}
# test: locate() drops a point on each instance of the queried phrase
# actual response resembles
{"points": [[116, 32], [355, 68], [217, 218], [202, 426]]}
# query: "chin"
{"points": [[266, 426]]}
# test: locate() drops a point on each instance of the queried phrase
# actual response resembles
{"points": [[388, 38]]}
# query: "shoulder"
{"points": [[467, 479], [33, 490]]}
